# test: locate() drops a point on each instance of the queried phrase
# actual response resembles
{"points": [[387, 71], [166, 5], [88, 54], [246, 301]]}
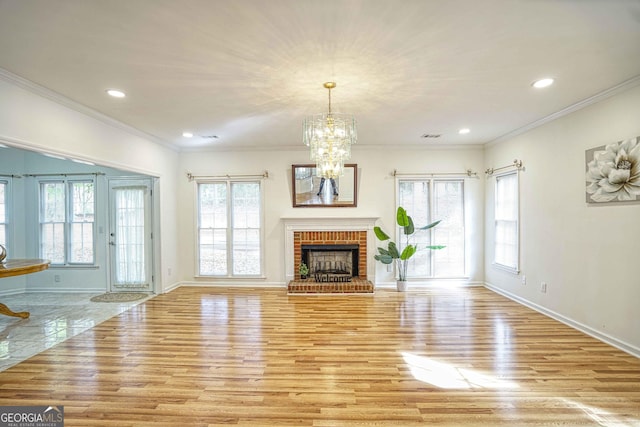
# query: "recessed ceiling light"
{"points": [[187, 134], [116, 93], [4, 146], [464, 131], [54, 156], [84, 162], [539, 84]]}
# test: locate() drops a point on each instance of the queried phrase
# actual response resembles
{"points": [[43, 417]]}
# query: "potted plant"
{"points": [[303, 270], [392, 251]]}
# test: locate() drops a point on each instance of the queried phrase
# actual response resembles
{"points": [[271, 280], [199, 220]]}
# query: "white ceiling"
{"points": [[248, 71]]}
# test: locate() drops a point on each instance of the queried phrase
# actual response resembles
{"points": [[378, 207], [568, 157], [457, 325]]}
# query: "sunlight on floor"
{"points": [[54, 318], [600, 416], [445, 375]]}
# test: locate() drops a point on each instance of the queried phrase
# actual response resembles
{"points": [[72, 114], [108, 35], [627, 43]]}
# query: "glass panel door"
{"points": [[130, 247]]}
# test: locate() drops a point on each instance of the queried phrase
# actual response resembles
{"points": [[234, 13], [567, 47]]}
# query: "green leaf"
{"points": [[393, 250], [401, 217], [409, 228], [383, 251], [433, 224], [408, 252], [434, 247], [381, 235], [385, 259]]}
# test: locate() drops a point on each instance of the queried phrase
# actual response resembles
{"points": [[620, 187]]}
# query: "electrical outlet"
{"points": [[543, 287], [524, 279], [56, 278]]}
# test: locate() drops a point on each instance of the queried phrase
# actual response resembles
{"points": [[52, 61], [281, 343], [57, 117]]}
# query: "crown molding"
{"points": [[601, 96], [354, 149], [80, 108]]}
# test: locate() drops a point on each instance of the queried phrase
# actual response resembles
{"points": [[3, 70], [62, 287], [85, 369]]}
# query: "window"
{"points": [[427, 201], [506, 221], [67, 221], [230, 228], [4, 189]]}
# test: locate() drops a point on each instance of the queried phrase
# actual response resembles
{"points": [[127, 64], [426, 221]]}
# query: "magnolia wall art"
{"points": [[613, 172]]}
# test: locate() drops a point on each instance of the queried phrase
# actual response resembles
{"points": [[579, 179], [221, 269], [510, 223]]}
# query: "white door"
{"points": [[130, 246]]}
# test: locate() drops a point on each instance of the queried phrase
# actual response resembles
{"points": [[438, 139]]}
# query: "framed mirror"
{"points": [[312, 191]]}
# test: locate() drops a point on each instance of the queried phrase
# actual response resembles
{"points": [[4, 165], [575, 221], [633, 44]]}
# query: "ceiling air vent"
{"points": [[210, 136], [430, 135]]}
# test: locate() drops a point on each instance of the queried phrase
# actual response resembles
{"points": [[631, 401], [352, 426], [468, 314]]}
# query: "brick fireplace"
{"points": [[332, 239], [339, 233]]}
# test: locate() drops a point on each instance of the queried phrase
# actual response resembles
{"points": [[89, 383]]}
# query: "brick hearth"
{"points": [[310, 286]]}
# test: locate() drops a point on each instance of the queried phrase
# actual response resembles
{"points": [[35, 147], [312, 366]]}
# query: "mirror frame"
{"points": [[310, 199]]}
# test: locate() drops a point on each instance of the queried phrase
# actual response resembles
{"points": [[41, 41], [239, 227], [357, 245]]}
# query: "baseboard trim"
{"points": [[231, 284], [8, 292], [443, 283], [608, 339], [31, 290], [173, 286], [440, 283]]}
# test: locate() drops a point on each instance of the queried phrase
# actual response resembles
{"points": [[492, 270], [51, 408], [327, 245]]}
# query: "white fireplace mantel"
{"points": [[291, 225]]}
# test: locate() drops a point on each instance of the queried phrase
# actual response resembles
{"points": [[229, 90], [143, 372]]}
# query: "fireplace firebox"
{"points": [[331, 263]]}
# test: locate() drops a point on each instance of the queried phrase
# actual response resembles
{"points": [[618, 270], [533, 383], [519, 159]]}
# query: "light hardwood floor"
{"points": [[55, 317], [212, 356]]}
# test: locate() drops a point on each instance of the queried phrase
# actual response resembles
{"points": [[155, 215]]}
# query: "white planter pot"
{"points": [[401, 285]]}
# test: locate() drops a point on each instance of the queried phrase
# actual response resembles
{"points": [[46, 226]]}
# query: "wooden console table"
{"points": [[17, 267]]}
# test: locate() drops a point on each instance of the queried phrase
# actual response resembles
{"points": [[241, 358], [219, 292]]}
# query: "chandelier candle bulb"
{"points": [[329, 137]]}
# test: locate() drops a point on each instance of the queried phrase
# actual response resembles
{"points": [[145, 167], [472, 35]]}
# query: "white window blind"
{"points": [[506, 221], [81, 218], [129, 205]]}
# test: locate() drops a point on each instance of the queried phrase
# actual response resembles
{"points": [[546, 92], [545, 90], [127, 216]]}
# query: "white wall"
{"points": [[376, 196], [29, 120], [586, 253]]}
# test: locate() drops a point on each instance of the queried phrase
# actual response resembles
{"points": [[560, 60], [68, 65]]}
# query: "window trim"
{"points": [[6, 181], [229, 229], [516, 269], [68, 182], [431, 179]]}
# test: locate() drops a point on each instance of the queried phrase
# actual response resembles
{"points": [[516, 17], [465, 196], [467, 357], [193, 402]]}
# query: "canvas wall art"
{"points": [[613, 172]]}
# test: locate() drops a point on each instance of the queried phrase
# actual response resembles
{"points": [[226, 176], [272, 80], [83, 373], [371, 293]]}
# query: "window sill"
{"points": [[508, 269], [230, 277], [73, 267]]}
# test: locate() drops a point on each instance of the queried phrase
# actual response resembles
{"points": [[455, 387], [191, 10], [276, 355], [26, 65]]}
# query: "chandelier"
{"points": [[329, 137]]}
